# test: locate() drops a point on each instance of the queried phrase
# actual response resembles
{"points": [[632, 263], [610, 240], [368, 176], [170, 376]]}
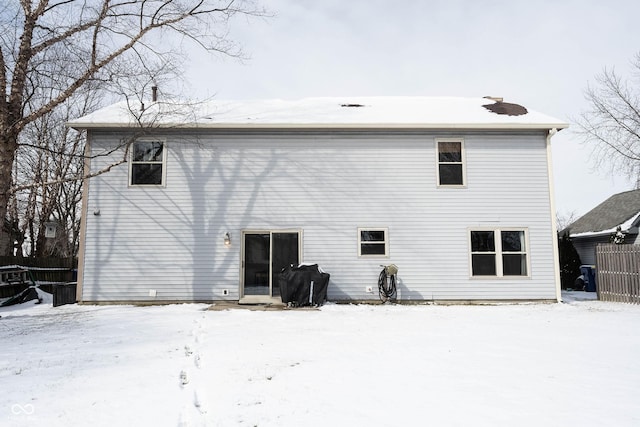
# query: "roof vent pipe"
{"points": [[154, 93], [494, 98]]}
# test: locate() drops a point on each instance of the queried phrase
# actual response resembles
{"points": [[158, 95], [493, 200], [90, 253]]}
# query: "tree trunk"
{"points": [[8, 147]]}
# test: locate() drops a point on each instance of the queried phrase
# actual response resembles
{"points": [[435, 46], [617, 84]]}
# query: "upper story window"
{"points": [[147, 163], [373, 242], [451, 168], [499, 253]]}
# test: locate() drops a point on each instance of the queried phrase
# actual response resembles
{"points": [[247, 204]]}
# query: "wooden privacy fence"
{"points": [[45, 270], [618, 272], [56, 276]]}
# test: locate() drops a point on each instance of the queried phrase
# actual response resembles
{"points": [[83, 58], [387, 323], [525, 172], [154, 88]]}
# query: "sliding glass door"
{"points": [[265, 254]]}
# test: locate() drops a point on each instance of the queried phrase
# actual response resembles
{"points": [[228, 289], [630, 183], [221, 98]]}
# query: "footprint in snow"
{"points": [[184, 380]]}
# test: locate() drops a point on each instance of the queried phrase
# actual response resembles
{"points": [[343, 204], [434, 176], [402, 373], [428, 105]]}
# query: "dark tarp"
{"points": [[27, 295], [303, 285]]}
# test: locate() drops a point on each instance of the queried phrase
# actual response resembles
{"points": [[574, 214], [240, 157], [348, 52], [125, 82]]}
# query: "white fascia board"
{"points": [[363, 126], [591, 234]]}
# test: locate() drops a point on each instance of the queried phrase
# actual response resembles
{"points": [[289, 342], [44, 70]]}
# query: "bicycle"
{"points": [[387, 283]]}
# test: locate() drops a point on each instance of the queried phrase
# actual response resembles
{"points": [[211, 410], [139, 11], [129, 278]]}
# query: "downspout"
{"points": [[83, 217], [554, 225]]}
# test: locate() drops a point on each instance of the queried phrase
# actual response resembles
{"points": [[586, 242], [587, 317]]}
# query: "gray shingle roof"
{"points": [[614, 211]]}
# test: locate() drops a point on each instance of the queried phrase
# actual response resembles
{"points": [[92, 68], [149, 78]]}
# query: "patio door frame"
{"points": [[264, 299]]}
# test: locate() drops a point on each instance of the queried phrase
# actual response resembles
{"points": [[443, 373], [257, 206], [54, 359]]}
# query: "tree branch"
{"points": [[108, 168], [94, 68], [53, 6], [613, 122]]}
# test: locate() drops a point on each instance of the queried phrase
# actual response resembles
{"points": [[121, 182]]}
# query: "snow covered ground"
{"points": [[343, 365]]}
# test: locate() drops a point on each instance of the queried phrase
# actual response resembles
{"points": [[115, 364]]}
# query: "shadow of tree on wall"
{"points": [[222, 201], [170, 238]]}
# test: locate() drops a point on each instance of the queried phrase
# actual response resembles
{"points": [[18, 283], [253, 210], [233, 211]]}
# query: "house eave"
{"points": [[589, 235], [307, 126], [604, 233]]}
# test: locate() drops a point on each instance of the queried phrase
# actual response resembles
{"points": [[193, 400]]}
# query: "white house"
{"points": [[213, 200]]}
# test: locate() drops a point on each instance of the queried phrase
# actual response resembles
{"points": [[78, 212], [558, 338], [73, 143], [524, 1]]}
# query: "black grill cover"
{"points": [[295, 285]]}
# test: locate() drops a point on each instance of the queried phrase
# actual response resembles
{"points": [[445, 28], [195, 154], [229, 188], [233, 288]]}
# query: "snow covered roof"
{"points": [[344, 112], [622, 209]]}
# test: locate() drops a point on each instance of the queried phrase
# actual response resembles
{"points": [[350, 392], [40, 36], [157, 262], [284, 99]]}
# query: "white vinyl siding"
{"points": [[586, 247], [169, 239]]}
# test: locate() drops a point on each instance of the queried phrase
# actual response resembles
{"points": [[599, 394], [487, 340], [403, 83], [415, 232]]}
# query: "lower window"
{"points": [[499, 252], [373, 242]]}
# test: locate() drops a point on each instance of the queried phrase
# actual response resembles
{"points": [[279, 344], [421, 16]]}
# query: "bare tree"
{"points": [[612, 122], [47, 178], [50, 49], [565, 219]]}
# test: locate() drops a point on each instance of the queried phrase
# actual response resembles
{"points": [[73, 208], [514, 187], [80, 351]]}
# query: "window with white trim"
{"points": [[451, 169], [499, 252], [147, 163], [373, 242]]}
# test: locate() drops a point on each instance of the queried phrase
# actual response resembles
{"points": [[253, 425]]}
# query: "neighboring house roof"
{"points": [[621, 209], [343, 112]]}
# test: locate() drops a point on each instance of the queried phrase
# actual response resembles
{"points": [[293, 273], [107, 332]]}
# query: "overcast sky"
{"points": [[541, 54]]}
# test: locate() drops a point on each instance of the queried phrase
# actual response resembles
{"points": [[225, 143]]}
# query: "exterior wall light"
{"points": [[227, 239]]}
